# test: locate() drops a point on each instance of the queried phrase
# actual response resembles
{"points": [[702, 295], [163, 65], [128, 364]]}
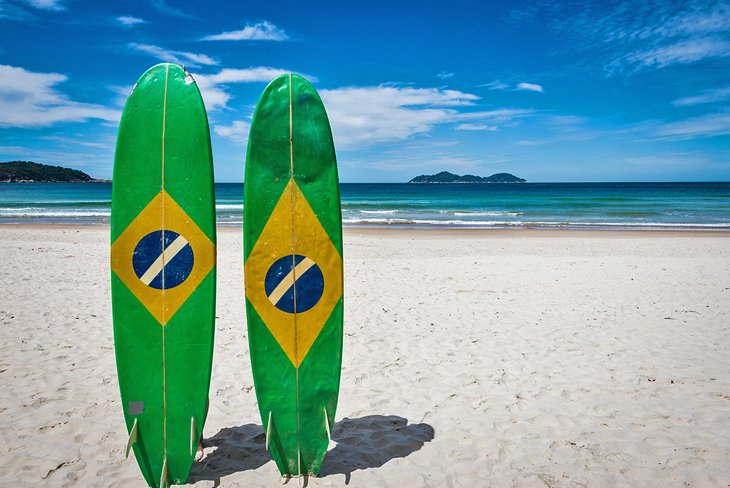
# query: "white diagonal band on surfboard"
{"points": [[167, 254], [288, 280]]}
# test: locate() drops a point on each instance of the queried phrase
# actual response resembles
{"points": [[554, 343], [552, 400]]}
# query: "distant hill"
{"points": [[446, 177], [27, 171]]}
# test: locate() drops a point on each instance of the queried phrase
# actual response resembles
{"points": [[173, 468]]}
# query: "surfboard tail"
{"points": [[295, 454]]}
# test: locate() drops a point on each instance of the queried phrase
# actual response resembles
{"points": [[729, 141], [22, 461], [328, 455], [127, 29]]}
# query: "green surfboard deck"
{"points": [[163, 303], [293, 272]]}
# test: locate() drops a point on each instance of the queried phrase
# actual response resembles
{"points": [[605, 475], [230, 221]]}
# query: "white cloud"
{"points": [[496, 116], [177, 57], [707, 96], [162, 7], [262, 31], [75, 142], [701, 20], [715, 124], [127, 20], [363, 116], [682, 52], [51, 5], [476, 127], [29, 99], [214, 96], [21, 10], [529, 87], [501, 86], [121, 92], [213, 87], [568, 120], [631, 37], [248, 75], [445, 75], [237, 131], [495, 85], [530, 142]]}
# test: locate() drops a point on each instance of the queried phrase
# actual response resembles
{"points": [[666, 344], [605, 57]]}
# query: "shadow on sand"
{"points": [[362, 443], [372, 441], [239, 448]]}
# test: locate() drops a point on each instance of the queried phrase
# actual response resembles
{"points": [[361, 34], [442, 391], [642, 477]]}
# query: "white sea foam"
{"points": [[42, 212], [487, 214], [42, 201], [426, 222], [718, 225], [379, 212], [529, 224]]}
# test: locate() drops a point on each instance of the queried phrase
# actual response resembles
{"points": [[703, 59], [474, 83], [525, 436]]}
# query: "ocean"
{"points": [[668, 206]]}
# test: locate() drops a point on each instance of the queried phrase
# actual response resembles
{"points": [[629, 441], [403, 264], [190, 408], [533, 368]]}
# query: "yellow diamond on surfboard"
{"points": [[276, 242], [188, 234]]}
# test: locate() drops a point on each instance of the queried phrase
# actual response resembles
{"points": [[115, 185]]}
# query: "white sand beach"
{"points": [[471, 358]]}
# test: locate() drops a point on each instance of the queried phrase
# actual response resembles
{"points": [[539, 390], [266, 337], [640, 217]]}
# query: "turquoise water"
{"points": [[527, 205]]}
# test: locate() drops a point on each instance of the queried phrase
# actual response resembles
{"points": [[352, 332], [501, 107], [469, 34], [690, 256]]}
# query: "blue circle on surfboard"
{"points": [[308, 288], [148, 263]]}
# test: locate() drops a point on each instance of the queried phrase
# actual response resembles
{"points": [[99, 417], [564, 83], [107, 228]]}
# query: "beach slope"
{"points": [[471, 358]]}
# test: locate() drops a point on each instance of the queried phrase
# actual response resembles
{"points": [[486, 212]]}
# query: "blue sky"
{"points": [[550, 91]]}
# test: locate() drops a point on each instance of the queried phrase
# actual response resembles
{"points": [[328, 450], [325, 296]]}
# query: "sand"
{"points": [[520, 358]]}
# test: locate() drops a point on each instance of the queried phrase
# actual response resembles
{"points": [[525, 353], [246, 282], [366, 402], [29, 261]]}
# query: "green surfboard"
{"points": [[163, 271], [293, 272]]}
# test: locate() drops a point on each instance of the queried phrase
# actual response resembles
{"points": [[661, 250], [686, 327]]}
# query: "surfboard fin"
{"points": [[327, 424], [268, 431], [164, 476], [132, 438], [193, 437], [331, 444]]}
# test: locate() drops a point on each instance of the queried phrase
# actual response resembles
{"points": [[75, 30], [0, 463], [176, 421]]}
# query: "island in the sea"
{"points": [[30, 172], [446, 177]]}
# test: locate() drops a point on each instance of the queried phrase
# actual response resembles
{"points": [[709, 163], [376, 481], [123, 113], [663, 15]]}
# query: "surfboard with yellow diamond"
{"points": [[293, 272], [163, 271]]}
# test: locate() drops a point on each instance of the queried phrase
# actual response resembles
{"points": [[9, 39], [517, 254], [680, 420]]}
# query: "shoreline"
{"points": [[439, 208], [436, 232]]}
